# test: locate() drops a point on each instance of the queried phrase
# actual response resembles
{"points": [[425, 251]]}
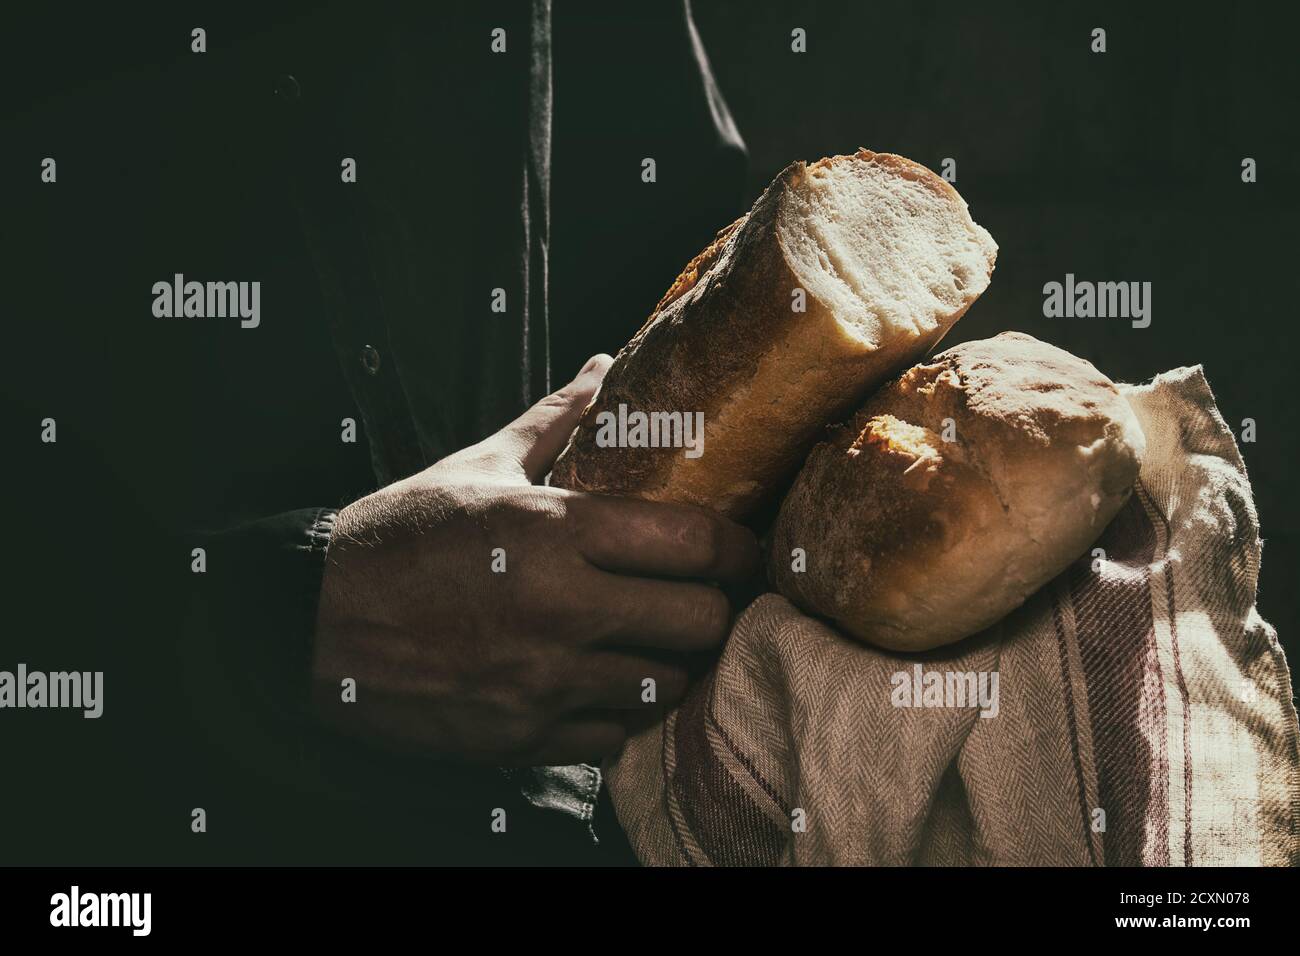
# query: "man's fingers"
{"points": [[656, 538], [536, 438], [666, 615], [620, 681]]}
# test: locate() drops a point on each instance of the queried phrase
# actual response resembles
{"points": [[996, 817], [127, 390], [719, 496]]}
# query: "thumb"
{"points": [[536, 438]]}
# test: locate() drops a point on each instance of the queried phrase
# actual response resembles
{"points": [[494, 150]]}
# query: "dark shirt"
{"points": [[477, 171]]}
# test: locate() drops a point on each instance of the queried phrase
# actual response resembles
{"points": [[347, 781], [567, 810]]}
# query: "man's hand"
{"points": [[542, 660]]}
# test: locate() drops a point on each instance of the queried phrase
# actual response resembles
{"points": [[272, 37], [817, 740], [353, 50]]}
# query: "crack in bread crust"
{"points": [[695, 269]]}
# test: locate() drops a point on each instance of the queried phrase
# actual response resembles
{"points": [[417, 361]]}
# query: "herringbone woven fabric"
{"points": [[1142, 715]]}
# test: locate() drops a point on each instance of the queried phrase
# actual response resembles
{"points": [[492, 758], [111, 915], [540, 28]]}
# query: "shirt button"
{"points": [[370, 360], [287, 89]]}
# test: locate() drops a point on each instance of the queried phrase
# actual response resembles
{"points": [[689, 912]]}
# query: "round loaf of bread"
{"points": [[957, 491]]}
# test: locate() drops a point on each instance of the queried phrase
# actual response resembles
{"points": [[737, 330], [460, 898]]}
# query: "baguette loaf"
{"points": [[957, 491], [843, 273]]}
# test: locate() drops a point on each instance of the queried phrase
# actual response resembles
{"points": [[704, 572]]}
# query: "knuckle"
{"points": [[487, 463], [579, 519], [547, 506], [557, 399], [494, 457], [561, 400], [710, 614], [524, 512], [549, 684], [594, 623], [548, 602], [704, 537], [483, 458]]}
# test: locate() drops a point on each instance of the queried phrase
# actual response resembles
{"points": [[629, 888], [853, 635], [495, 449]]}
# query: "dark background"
{"points": [[1122, 166]]}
